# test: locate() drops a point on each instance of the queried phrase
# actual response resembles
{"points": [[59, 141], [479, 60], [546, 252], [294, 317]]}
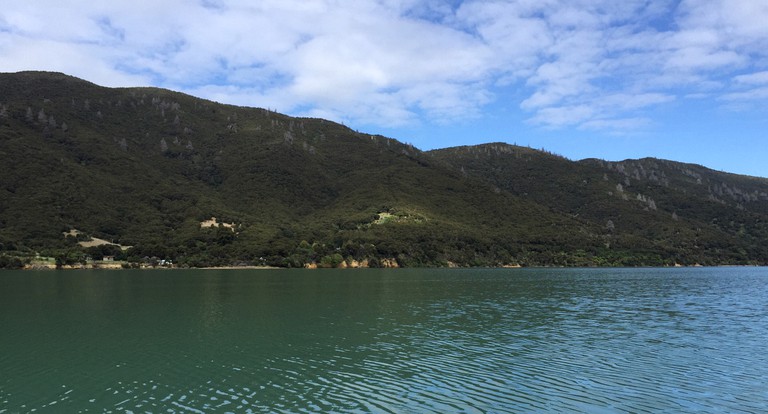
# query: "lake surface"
{"points": [[402, 341]]}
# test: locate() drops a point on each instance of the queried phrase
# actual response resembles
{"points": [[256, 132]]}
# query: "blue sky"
{"points": [[685, 80]]}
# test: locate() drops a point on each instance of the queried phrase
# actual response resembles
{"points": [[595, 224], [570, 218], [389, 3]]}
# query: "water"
{"points": [[403, 341]]}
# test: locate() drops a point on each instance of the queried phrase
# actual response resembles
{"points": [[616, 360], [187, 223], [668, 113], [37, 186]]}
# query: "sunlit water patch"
{"points": [[485, 341]]}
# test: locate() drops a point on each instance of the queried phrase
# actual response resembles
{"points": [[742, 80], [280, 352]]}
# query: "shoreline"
{"points": [[234, 268], [119, 266]]}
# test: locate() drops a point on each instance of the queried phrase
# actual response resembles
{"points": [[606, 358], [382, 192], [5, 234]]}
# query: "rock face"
{"points": [[389, 263], [355, 264], [351, 264]]}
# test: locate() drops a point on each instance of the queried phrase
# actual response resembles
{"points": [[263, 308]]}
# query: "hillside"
{"points": [[686, 212], [144, 167]]}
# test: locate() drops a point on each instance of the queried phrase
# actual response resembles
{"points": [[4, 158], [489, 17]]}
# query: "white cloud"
{"points": [[757, 78], [564, 115], [82, 60], [594, 64], [608, 61], [617, 126], [749, 88], [626, 101], [696, 58], [742, 22], [760, 93]]}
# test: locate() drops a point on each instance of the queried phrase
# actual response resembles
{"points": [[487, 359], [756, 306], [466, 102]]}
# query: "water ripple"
{"points": [[641, 341]]}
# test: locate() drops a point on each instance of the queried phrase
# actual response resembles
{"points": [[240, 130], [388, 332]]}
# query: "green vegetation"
{"points": [[144, 167]]}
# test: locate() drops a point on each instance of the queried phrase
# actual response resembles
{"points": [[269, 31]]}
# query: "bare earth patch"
{"points": [[213, 223], [94, 241]]}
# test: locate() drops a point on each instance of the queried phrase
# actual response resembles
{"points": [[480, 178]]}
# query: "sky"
{"points": [[685, 80]]}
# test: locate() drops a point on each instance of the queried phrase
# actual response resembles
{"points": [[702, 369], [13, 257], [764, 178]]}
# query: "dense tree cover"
{"points": [[11, 262], [143, 168]]}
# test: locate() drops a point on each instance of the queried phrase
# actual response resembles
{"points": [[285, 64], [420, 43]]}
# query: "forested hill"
{"points": [[149, 168], [648, 205]]}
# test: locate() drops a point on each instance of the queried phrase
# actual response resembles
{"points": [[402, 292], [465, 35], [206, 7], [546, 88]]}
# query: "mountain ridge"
{"points": [[145, 166]]}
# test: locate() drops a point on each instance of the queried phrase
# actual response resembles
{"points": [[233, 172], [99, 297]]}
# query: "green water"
{"points": [[439, 340]]}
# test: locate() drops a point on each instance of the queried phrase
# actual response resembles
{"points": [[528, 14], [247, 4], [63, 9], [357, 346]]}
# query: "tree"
{"points": [[331, 261], [69, 258], [10, 262]]}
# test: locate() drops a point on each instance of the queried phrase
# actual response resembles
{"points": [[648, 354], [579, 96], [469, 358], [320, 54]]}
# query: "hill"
{"points": [[681, 211], [146, 167]]}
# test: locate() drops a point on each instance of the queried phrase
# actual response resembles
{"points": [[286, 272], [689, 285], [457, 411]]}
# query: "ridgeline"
{"points": [[159, 176]]}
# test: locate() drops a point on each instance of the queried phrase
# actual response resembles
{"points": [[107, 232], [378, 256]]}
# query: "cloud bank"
{"points": [[590, 64]]}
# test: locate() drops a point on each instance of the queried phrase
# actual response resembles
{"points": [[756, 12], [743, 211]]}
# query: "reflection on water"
{"points": [[493, 340]]}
